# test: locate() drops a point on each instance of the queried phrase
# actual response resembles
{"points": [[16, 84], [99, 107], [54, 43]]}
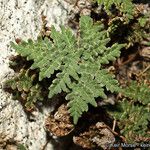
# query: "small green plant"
{"points": [[125, 21], [24, 88], [133, 120], [79, 62], [138, 92], [124, 6], [133, 115]]}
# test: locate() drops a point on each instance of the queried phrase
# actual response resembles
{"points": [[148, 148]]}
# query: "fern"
{"points": [[132, 120], [143, 20], [133, 116], [125, 6], [138, 92], [78, 61], [23, 84]]}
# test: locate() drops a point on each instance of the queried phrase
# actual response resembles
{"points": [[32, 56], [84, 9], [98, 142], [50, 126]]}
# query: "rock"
{"points": [[22, 19], [97, 136]]}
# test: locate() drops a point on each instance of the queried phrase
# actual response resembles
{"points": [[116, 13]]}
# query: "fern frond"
{"points": [[138, 92], [78, 62], [125, 6], [106, 79], [23, 88], [22, 82], [47, 56], [82, 94], [133, 120]]}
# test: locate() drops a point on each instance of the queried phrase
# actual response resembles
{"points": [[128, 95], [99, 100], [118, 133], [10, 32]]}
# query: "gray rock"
{"points": [[22, 19]]}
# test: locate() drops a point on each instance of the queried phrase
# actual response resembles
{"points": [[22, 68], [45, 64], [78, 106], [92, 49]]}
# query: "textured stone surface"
{"points": [[22, 19]]}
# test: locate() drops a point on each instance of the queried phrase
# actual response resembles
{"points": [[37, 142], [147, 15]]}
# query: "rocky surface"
{"points": [[22, 19]]}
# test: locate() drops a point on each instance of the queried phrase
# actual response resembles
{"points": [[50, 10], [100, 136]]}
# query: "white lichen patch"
{"points": [[22, 19]]}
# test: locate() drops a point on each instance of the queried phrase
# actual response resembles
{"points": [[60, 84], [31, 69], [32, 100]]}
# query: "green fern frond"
{"points": [[138, 92], [23, 83], [125, 6], [132, 120], [84, 93], [143, 20], [78, 61]]}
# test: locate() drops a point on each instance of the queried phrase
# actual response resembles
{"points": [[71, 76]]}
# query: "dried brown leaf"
{"points": [[59, 124]]}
